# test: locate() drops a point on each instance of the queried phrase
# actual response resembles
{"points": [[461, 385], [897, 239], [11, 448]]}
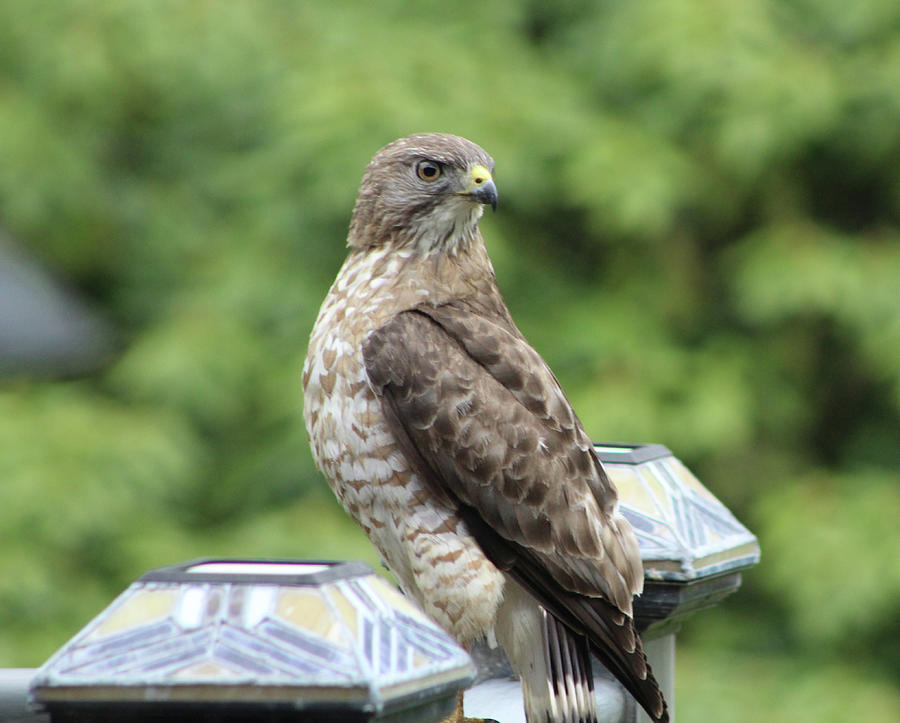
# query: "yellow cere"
{"points": [[480, 175]]}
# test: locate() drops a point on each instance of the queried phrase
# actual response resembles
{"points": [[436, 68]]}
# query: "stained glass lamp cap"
{"points": [[329, 639], [684, 532]]}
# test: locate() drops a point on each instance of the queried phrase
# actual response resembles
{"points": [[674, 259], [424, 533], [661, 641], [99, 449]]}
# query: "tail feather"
{"points": [[610, 634], [616, 643], [553, 664], [571, 679]]}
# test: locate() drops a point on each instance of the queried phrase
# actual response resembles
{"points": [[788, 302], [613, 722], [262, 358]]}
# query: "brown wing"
{"points": [[484, 421]]}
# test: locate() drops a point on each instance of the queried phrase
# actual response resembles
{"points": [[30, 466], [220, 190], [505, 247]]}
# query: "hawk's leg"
{"points": [[458, 717]]}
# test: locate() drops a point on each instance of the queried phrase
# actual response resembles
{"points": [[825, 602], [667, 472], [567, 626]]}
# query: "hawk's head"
{"points": [[426, 191]]}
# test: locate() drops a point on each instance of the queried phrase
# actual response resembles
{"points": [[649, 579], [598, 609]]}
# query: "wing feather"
{"points": [[482, 418], [518, 456]]}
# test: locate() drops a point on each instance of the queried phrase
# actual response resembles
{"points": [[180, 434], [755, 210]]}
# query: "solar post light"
{"points": [[220, 640], [693, 548]]}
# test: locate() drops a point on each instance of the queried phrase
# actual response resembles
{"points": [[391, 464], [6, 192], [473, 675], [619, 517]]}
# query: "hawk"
{"points": [[449, 440]]}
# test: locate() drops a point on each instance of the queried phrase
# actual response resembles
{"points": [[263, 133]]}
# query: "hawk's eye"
{"points": [[428, 170]]}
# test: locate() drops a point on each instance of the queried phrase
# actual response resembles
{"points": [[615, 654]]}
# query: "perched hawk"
{"points": [[450, 441]]}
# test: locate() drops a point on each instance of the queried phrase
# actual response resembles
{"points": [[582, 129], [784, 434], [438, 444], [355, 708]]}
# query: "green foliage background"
{"points": [[699, 229]]}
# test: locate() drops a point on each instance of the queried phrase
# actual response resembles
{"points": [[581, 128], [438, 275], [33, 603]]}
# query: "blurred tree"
{"points": [[699, 229]]}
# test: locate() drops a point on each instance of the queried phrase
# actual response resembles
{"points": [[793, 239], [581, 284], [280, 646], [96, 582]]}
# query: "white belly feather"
{"points": [[423, 542]]}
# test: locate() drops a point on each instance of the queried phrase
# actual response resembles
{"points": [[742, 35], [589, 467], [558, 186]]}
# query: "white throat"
{"points": [[451, 224]]}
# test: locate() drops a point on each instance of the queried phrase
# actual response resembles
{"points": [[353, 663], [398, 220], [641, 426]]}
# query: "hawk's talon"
{"points": [[458, 717]]}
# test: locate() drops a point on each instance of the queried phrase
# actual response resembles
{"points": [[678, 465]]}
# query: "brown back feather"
{"points": [[515, 459]]}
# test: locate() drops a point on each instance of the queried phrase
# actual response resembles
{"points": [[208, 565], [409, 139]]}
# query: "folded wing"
{"points": [[483, 420]]}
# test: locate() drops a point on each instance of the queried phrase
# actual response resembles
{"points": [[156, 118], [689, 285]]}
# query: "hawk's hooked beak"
{"points": [[481, 186]]}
